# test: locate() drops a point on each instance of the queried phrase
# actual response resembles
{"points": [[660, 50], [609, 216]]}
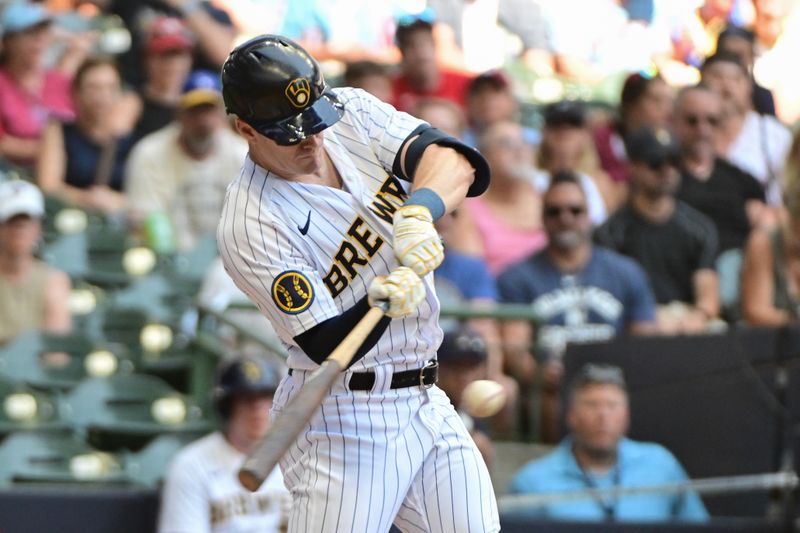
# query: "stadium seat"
{"points": [[58, 361], [126, 411], [56, 457], [148, 466], [22, 408]]}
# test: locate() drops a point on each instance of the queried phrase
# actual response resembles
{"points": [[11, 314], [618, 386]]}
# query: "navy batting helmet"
{"points": [[243, 375], [274, 85]]}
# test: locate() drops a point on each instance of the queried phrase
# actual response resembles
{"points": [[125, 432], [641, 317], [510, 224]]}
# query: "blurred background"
{"points": [[644, 214]]}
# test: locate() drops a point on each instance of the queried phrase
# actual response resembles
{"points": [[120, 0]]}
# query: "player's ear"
{"points": [[244, 129]]}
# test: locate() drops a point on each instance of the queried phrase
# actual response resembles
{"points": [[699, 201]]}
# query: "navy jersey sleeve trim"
{"points": [[319, 341]]}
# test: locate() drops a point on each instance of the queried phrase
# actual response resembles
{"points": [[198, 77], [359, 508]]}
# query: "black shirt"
{"points": [[670, 252], [83, 157], [722, 198], [155, 116], [763, 102]]}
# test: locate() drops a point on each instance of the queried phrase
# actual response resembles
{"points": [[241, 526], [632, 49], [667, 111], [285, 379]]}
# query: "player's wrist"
{"points": [[429, 199]]}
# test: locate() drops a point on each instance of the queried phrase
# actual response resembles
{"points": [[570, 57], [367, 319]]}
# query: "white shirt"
{"points": [[202, 494], [161, 177], [761, 149], [305, 253]]}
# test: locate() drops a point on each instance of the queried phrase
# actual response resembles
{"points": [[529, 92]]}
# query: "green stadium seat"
{"points": [[126, 411], [149, 466], [50, 361], [22, 408], [56, 457]]}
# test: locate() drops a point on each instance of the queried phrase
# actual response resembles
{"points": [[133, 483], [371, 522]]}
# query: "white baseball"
{"points": [[483, 398]]}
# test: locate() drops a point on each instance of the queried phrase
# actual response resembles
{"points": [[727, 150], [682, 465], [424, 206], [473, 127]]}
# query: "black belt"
{"points": [[419, 377]]}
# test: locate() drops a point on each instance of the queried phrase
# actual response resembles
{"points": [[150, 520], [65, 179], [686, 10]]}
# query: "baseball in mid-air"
{"points": [[483, 398]]}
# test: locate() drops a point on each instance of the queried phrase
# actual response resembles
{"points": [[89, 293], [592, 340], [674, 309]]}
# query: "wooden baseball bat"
{"points": [[285, 428]]}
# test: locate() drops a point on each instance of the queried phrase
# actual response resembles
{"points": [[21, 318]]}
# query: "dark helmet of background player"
{"points": [[274, 85], [239, 376]]}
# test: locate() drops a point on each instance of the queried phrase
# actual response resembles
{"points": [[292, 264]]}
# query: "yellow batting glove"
{"points": [[402, 288], [417, 244]]}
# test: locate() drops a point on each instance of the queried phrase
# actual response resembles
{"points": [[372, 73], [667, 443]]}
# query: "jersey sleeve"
{"points": [[385, 127], [184, 506], [276, 273]]}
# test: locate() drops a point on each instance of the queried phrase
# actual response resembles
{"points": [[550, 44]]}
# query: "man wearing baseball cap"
{"points": [[675, 244], [33, 296], [182, 170], [168, 53]]}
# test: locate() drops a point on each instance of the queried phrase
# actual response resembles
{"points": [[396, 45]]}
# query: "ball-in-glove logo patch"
{"points": [[292, 292], [299, 92]]}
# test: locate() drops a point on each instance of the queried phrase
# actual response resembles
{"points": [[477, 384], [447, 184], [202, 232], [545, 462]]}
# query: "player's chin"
{"points": [[308, 162]]}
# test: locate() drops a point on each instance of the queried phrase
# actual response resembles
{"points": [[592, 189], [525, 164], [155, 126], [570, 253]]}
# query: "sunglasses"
{"points": [[695, 120], [554, 211], [427, 16]]}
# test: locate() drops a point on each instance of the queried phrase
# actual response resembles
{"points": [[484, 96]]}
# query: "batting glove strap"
{"points": [[417, 244], [402, 288]]}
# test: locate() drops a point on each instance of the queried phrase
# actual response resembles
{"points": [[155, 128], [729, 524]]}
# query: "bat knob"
{"points": [[249, 480]]}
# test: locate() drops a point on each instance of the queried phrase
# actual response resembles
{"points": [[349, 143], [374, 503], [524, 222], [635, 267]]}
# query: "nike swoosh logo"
{"points": [[304, 229]]}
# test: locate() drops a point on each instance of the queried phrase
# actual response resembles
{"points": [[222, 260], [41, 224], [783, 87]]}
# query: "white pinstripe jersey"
{"points": [[305, 253]]}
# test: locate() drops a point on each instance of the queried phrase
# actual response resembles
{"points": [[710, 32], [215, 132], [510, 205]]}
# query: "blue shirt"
{"points": [[469, 275], [638, 464], [594, 304]]}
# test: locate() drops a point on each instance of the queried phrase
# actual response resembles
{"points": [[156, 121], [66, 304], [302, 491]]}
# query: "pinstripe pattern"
{"points": [[367, 459]]}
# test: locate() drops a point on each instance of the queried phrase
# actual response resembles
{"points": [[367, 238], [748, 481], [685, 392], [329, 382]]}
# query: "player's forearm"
{"points": [[445, 172]]}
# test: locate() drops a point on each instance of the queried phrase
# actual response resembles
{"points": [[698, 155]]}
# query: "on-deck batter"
{"points": [[332, 211]]}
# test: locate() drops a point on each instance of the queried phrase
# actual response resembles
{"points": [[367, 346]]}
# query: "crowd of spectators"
{"points": [[642, 154]]}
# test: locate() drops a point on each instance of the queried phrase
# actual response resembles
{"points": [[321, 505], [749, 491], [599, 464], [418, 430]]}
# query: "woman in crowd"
{"points": [[33, 296], [646, 100], [82, 161], [29, 91], [504, 225], [771, 269]]}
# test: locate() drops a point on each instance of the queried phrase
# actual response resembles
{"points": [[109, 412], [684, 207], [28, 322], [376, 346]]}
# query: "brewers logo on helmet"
{"points": [[276, 87]]}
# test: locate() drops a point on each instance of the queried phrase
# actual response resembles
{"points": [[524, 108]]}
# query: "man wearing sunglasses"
{"points": [[675, 243], [578, 291], [332, 214], [733, 199]]}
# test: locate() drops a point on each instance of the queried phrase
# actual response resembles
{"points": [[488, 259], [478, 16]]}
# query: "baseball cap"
{"points": [[168, 34], [19, 197], [494, 79], [462, 345], [598, 374], [409, 22], [22, 16], [654, 146], [201, 87], [565, 112]]}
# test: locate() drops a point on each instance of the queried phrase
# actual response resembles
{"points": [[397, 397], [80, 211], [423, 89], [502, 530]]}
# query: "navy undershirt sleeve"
{"points": [[319, 341]]}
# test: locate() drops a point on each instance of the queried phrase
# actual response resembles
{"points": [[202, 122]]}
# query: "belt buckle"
{"points": [[431, 364]]}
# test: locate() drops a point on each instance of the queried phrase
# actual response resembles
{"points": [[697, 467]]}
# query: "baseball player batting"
{"points": [[332, 213]]}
